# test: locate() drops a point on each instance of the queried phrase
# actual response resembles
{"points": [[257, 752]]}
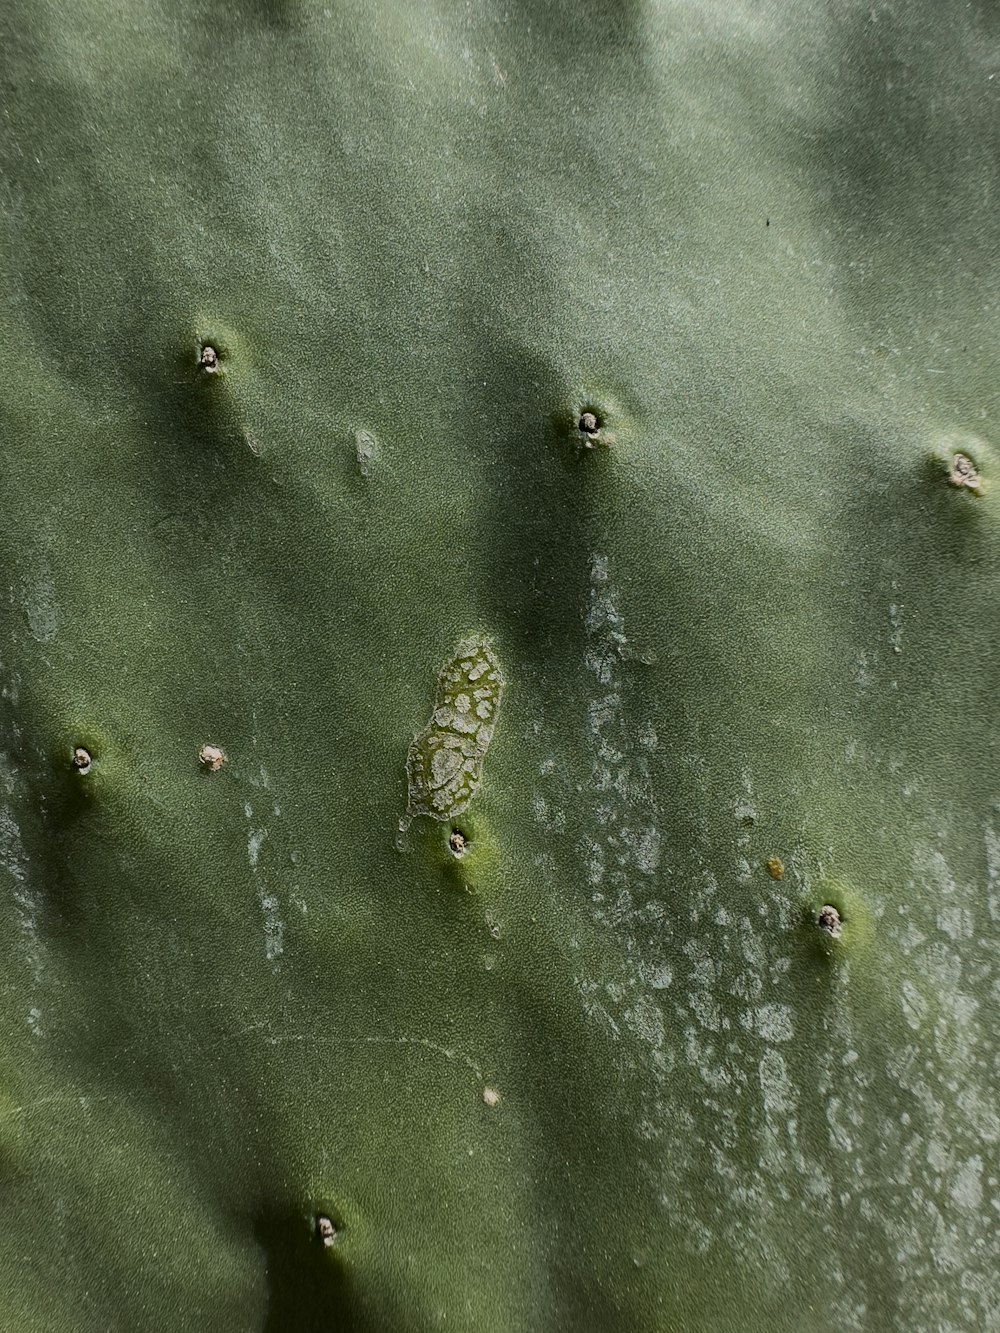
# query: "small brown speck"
{"points": [[829, 921], [211, 757], [491, 1097], [82, 761], [326, 1231], [776, 867]]}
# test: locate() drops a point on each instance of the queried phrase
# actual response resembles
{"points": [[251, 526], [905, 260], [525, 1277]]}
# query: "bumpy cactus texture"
{"points": [[644, 352]]}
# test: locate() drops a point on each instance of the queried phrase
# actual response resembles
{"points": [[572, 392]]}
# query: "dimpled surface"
{"points": [[301, 307]]}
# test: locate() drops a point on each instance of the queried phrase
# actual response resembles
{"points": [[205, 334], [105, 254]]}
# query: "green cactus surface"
{"points": [[499, 793]]}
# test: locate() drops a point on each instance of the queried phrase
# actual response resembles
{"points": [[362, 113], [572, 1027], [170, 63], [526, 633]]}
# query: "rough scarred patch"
{"points": [[445, 760]]}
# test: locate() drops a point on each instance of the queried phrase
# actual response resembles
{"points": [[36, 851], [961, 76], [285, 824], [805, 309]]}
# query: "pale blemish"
{"points": [[593, 1007], [745, 812], [967, 1185], [14, 860], [836, 1114], [775, 1084], [914, 1005], [896, 627], [621, 853], [864, 669], [647, 737], [365, 452], [772, 1022], [254, 844], [38, 597], [657, 975], [270, 907], [645, 1020]]}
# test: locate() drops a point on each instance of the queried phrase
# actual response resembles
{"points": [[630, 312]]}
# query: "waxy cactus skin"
{"points": [[646, 348]]}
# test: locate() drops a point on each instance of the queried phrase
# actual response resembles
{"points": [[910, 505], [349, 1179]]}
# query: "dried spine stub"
{"points": [[965, 474], [325, 1230], [82, 761], [589, 426], [208, 359], [211, 757], [829, 920]]}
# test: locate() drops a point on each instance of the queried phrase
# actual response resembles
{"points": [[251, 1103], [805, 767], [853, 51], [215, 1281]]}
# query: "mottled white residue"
{"points": [[993, 873], [745, 812], [14, 868], [895, 623], [914, 1004], [645, 1019], [773, 1022], [775, 1084], [657, 976], [624, 850], [946, 1131], [967, 1184], [270, 906], [552, 819], [780, 1101], [257, 837], [621, 851], [593, 1007], [864, 669]]}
